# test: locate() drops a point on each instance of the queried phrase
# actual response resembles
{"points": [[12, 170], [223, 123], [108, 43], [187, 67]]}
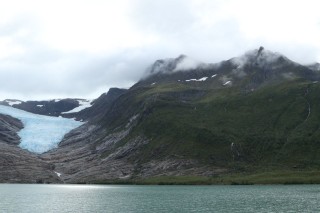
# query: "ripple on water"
{"points": [[99, 198]]}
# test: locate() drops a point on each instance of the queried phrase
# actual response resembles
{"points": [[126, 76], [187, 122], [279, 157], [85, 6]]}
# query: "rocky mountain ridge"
{"points": [[55, 107], [253, 69]]}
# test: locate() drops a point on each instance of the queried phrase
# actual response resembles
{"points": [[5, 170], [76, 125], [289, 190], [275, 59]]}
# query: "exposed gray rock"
{"points": [[177, 167], [9, 127], [86, 155]]}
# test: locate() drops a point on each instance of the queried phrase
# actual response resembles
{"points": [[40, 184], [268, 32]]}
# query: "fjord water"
{"points": [[100, 198]]}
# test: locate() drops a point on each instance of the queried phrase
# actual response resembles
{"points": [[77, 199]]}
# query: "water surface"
{"points": [[99, 198]]}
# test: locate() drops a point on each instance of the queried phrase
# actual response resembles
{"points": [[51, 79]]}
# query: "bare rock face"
{"points": [[78, 160], [9, 127], [18, 165], [88, 155]]}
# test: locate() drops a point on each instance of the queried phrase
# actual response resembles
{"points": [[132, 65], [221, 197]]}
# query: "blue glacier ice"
{"points": [[40, 133]]}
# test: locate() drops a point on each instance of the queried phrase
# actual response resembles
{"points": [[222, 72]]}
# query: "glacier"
{"points": [[40, 133]]}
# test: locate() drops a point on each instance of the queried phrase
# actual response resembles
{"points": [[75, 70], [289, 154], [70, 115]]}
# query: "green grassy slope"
{"points": [[271, 126]]}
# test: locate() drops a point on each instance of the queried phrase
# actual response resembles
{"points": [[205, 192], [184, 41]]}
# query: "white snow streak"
{"points": [[58, 174], [13, 102], [83, 104], [201, 79]]}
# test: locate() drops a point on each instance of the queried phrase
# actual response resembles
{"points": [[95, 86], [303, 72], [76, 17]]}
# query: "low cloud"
{"points": [[187, 63]]}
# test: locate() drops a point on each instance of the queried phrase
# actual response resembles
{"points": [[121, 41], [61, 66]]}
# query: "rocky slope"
{"points": [[81, 158], [9, 127]]}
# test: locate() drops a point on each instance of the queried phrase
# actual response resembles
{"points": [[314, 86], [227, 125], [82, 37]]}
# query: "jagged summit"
{"points": [[260, 57], [171, 65], [251, 70]]}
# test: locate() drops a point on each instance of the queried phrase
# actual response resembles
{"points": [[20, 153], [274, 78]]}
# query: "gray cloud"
{"points": [[33, 67]]}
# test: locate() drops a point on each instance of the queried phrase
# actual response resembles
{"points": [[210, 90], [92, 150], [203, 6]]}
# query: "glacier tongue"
{"points": [[40, 133]]}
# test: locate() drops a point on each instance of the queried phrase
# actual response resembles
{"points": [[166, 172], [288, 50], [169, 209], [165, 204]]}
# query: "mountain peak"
{"points": [[170, 65], [260, 57], [261, 48]]}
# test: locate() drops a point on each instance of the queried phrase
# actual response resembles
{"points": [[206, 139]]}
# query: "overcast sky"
{"points": [[81, 48]]}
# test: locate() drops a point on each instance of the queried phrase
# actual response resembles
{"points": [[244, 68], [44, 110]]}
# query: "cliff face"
{"points": [[9, 127]]}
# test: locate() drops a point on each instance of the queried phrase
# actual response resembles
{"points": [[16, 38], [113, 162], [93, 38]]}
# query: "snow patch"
{"points": [[40, 133], [58, 174], [203, 79], [83, 104], [228, 82], [214, 76], [12, 102], [153, 83], [200, 79], [39, 105]]}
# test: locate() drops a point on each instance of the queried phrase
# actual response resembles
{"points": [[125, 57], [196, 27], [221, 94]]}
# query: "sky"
{"points": [[81, 48]]}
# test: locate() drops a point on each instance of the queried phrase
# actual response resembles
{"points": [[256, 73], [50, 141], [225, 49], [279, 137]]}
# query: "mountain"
{"points": [[55, 107], [251, 70], [98, 106], [238, 121]]}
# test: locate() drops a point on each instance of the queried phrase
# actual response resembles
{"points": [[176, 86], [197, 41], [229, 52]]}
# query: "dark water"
{"points": [[149, 199]]}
